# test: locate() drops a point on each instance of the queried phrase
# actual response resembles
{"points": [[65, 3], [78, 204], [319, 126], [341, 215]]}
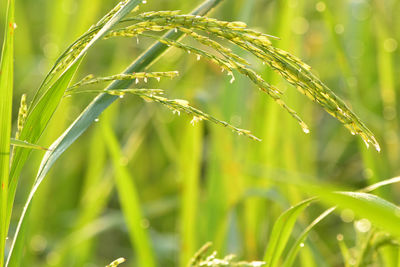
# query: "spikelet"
{"points": [[116, 262], [176, 105], [22, 113], [180, 105], [118, 92], [88, 80], [201, 259]]}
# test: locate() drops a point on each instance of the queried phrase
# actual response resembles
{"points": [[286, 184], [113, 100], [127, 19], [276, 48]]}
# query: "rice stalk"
{"points": [[230, 64], [176, 105], [88, 80], [288, 66]]}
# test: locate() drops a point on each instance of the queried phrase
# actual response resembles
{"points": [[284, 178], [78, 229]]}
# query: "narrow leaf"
{"points": [[6, 93], [129, 199], [300, 240], [25, 144], [281, 232]]}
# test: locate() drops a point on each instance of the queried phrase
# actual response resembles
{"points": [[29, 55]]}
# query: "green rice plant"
{"points": [[209, 36], [365, 205]]}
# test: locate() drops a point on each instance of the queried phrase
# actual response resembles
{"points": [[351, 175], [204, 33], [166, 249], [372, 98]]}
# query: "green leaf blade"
{"points": [[281, 232], [378, 211], [24, 144], [129, 199], [6, 93]]}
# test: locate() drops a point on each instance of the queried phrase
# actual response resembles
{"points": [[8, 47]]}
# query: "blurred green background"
{"points": [[203, 183]]}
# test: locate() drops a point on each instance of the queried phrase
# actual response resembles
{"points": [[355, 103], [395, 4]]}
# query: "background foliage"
{"points": [[203, 183]]}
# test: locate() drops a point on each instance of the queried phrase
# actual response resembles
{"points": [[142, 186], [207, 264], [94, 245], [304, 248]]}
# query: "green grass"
{"points": [[6, 92], [142, 183]]}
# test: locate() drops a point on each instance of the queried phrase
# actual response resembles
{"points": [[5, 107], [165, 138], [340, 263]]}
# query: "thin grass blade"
{"points": [[281, 231], [24, 144], [6, 93], [129, 199], [298, 244]]}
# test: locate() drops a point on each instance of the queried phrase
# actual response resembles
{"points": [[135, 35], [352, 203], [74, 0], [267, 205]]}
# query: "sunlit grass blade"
{"points": [[6, 95], [129, 199], [24, 144], [189, 166], [281, 232], [378, 185], [378, 211]]}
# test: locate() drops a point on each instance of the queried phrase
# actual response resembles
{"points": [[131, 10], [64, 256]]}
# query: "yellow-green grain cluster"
{"points": [[137, 76], [286, 65], [116, 262], [201, 259], [22, 113]]}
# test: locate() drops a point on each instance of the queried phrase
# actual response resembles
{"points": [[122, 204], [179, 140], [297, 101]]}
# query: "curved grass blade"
{"points": [[380, 184], [298, 244], [378, 211], [24, 144], [281, 232], [6, 94], [368, 204]]}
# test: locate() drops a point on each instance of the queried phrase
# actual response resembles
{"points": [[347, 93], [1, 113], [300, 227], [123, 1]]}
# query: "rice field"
{"points": [[199, 133]]}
